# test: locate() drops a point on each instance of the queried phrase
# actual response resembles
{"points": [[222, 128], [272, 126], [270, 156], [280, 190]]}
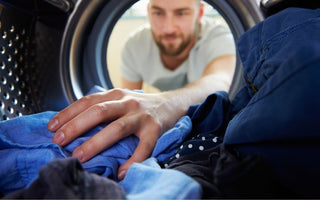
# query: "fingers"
{"points": [[108, 136], [141, 153], [148, 139], [80, 106], [86, 120]]}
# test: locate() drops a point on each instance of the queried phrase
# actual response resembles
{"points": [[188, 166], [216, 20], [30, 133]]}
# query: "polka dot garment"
{"points": [[198, 143]]}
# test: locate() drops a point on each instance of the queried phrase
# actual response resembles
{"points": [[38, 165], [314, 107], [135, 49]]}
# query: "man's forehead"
{"points": [[173, 4]]}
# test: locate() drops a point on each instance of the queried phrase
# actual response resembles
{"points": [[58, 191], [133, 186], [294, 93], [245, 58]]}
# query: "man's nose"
{"points": [[169, 25]]}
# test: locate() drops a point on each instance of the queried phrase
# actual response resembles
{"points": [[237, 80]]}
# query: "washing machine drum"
{"points": [[53, 51]]}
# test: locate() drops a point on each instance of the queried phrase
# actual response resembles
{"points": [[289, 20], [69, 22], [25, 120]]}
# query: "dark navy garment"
{"points": [[276, 114], [281, 58], [208, 126], [223, 174]]}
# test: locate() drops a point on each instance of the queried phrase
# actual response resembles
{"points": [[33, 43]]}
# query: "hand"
{"points": [[145, 115]]}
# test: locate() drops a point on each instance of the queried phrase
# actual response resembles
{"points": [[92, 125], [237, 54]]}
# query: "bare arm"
{"points": [[217, 76], [131, 85], [145, 115]]}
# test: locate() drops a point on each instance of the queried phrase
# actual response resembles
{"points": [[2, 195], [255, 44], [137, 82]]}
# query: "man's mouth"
{"points": [[169, 38]]}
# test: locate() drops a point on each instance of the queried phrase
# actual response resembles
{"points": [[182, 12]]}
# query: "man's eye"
{"points": [[157, 13], [183, 13]]}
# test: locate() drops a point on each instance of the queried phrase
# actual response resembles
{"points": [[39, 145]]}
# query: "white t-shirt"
{"points": [[140, 58]]}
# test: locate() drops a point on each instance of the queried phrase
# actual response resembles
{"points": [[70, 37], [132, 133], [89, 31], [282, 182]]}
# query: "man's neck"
{"points": [[172, 62]]}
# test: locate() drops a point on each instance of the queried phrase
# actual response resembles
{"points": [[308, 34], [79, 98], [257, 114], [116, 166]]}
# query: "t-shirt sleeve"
{"points": [[218, 43]]}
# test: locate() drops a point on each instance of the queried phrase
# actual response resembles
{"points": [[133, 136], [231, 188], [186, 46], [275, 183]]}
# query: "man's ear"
{"points": [[201, 10]]}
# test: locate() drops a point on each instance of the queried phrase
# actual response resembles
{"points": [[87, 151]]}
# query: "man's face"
{"points": [[174, 24]]}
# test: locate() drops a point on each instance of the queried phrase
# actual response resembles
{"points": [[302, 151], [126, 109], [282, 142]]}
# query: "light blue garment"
{"points": [[26, 145], [165, 146], [148, 181]]}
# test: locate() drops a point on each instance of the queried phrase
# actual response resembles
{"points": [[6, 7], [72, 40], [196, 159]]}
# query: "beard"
{"points": [[173, 49]]}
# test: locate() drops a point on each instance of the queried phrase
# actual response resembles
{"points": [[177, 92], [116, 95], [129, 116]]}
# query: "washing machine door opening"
{"points": [[86, 52]]}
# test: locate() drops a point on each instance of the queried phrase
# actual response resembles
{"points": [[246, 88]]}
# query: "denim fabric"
{"points": [[210, 116], [148, 181], [26, 145], [281, 58]]}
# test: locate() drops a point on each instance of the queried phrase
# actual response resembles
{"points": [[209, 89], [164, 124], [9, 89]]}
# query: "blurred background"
{"points": [[130, 20]]}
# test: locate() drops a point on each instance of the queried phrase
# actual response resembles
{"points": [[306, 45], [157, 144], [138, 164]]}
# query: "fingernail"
{"points": [[122, 174], [78, 154], [53, 124], [58, 138]]}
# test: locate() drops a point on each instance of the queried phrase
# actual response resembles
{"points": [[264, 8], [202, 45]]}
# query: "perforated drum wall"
{"points": [[17, 65], [30, 37]]}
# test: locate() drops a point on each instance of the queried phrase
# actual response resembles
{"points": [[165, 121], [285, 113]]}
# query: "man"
{"points": [[147, 116], [176, 48]]}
